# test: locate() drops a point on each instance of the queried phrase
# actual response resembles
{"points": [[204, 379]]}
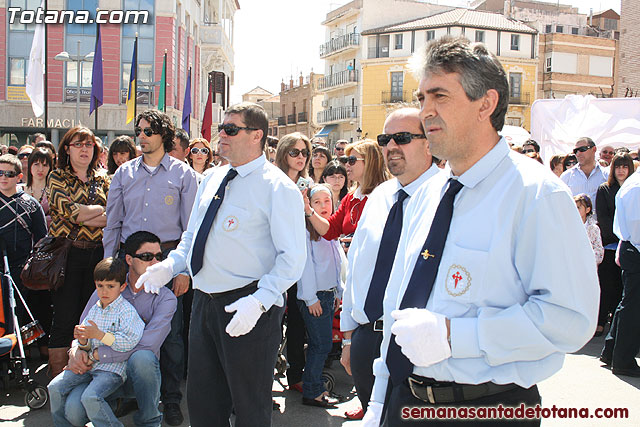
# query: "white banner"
{"points": [[556, 124]]}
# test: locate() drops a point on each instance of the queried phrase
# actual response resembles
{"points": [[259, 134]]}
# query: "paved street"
{"points": [[582, 382]]}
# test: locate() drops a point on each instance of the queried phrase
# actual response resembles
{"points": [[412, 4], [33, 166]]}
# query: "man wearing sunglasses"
{"points": [[142, 250], [338, 150], [406, 154], [244, 246], [155, 193], [606, 154], [588, 174]]}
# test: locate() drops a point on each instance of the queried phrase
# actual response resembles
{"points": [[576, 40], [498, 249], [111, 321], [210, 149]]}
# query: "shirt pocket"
{"points": [[461, 274], [166, 197], [232, 219]]}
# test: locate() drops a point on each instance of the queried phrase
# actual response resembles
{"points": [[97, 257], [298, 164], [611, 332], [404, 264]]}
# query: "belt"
{"points": [[172, 244], [374, 326], [85, 244], [434, 392], [233, 291]]}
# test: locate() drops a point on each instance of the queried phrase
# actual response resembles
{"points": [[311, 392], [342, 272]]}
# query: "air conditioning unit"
{"points": [[325, 103]]}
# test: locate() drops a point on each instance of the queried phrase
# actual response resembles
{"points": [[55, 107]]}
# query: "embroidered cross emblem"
{"points": [[426, 254], [457, 277], [231, 222], [216, 197]]}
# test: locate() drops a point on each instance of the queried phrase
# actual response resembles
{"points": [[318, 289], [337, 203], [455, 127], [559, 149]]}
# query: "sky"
{"points": [[277, 39]]}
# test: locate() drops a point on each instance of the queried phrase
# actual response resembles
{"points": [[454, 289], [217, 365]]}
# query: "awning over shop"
{"points": [[325, 131]]}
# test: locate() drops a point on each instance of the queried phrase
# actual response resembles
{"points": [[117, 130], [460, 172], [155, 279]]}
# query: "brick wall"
{"points": [[629, 76], [55, 75], [3, 54], [110, 35], [165, 40]]}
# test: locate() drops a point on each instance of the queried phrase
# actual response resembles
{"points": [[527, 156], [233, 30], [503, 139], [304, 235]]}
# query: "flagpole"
{"points": [[135, 84], [46, 72], [95, 50], [164, 63], [190, 107]]}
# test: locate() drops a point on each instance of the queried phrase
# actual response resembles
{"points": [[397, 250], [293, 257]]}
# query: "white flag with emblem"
{"points": [[35, 76]]}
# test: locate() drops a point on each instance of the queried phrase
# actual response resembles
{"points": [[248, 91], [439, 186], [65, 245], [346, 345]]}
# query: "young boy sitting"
{"points": [[111, 321]]}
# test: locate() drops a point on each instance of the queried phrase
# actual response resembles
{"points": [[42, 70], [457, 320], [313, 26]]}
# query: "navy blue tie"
{"points": [[197, 254], [423, 277], [384, 261]]}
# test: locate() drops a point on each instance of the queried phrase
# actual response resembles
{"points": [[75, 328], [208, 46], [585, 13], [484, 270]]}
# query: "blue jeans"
{"points": [[143, 384], [97, 385], [319, 343]]}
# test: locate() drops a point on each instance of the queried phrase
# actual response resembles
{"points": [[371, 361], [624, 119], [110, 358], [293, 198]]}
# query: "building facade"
{"points": [[387, 81], [300, 100], [629, 77], [196, 34]]}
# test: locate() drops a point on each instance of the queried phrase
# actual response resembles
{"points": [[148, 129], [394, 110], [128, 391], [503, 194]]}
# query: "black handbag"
{"points": [[46, 267]]}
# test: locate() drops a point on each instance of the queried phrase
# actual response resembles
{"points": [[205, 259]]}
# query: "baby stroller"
{"points": [[14, 338]]}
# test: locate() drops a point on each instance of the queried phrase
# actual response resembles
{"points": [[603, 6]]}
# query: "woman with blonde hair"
{"points": [[200, 155], [365, 166]]}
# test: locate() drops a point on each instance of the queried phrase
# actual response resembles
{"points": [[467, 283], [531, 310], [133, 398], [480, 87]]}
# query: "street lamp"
{"points": [[65, 57]]}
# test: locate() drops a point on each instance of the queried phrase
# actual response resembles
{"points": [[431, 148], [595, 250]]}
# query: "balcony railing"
{"points": [[302, 117], [282, 121], [339, 43], [337, 114], [519, 98], [338, 79], [391, 97], [291, 119]]}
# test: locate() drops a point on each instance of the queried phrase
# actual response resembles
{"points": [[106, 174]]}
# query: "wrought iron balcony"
{"points": [[282, 121], [393, 96], [302, 117], [291, 119], [339, 43], [337, 114], [338, 79], [519, 98]]}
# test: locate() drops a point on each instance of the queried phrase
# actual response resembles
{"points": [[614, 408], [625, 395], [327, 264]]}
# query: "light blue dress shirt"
{"points": [[321, 271], [363, 251], [580, 183], [517, 277], [626, 222], [258, 233]]}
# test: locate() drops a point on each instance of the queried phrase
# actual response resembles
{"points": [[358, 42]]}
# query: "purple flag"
{"points": [[186, 106], [96, 76]]}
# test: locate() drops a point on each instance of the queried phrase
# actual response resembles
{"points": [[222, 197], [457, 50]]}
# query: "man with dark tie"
{"points": [[406, 154], [491, 283], [244, 247]]}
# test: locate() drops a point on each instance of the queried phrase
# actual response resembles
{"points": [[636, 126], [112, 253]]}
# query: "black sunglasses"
{"points": [[529, 150], [583, 149], [147, 131], [231, 129], [148, 256], [571, 163], [23, 155], [9, 174], [294, 152], [400, 138], [349, 159]]}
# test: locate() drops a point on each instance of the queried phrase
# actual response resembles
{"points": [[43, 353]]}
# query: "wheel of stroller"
{"points": [[281, 365], [37, 398], [329, 381]]}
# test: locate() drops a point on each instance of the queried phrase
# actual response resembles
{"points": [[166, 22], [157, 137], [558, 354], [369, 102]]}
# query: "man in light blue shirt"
{"points": [[244, 247], [588, 174], [623, 343], [511, 291]]}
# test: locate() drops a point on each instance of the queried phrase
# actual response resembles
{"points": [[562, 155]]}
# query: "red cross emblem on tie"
{"points": [[457, 277]]}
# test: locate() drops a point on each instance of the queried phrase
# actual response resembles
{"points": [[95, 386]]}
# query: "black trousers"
{"points": [[610, 277], [365, 348], [69, 301], [401, 397], [228, 373], [623, 341], [295, 337]]}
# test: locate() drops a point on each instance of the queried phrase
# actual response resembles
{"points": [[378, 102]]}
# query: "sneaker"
{"points": [[355, 414], [173, 414]]}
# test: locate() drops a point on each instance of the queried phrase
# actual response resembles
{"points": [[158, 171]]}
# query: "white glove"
{"points": [[248, 310], [421, 335], [373, 415], [156, 277]]}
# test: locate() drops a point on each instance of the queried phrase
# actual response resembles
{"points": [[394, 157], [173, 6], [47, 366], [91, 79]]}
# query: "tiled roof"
{"points": [[458, 17]]}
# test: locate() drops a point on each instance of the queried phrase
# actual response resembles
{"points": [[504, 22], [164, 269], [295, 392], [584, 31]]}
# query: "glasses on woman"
{"points": [[203, 150], [351, 160], [148, 256], [80, 144], [147, 131], [294, 152]]}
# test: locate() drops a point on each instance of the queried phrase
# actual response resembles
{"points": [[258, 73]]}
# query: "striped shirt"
{"points": [[65, 191], [121, 319]]}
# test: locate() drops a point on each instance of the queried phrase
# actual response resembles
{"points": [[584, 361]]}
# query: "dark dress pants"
{"points": [[610, 277], [295, 337], [623, 341], [227, 372], [365, 348], [402, 397]]}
